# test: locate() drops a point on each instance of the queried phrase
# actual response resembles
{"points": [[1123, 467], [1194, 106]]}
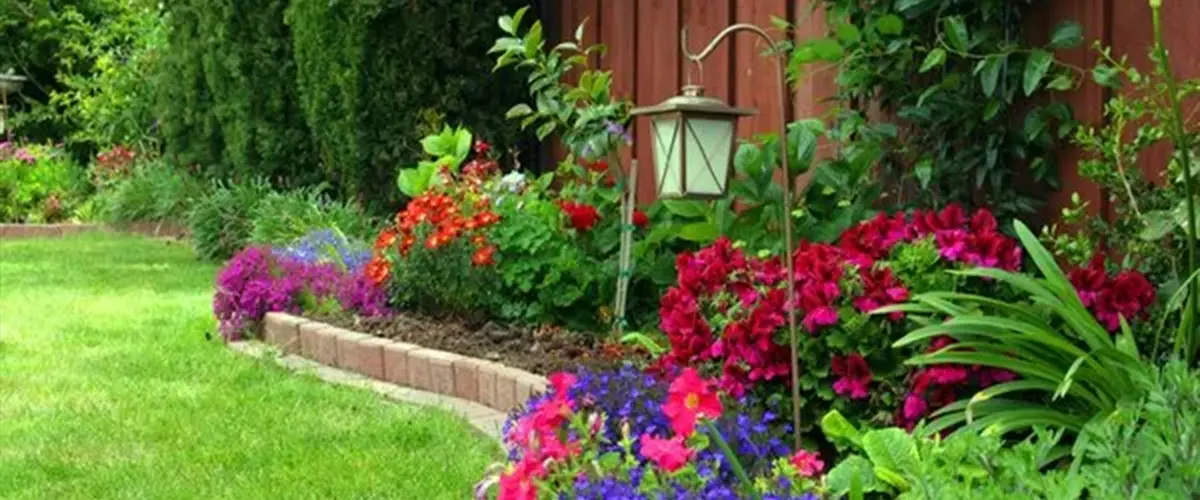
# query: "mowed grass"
{"points": [[110, 389]]}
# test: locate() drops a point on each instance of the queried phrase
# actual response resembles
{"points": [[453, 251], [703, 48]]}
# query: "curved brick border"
{"points": [[491, 384], [151, 229]]}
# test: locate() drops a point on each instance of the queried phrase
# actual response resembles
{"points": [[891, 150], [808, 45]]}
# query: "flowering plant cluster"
{"points": [[38, 182], [728, 312], [1126, 295], [625, 434], [113, 164], [259, 280]]}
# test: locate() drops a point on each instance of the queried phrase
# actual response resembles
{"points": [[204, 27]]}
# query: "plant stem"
{"points": [[1187, 336], [734, 463]]}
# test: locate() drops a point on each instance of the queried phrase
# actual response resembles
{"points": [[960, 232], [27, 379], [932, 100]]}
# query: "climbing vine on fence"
{"points": [[971, 96]]}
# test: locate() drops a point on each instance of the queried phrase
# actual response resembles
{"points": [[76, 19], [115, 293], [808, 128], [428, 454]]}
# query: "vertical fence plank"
{"points": [[703, 20], [658, 69], [618, 31], [755, 82]]}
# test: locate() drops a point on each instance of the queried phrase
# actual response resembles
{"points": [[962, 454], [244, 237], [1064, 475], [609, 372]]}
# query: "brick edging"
{"points": [[151, 229], [490, 384]]}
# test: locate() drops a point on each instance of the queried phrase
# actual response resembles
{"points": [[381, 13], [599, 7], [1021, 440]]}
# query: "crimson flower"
{"points": [[640, 219], [689, 398], [517, 482], [808, 464], [854, 376], [583, 217], [668, 454], [485, 256], [482, 147], [378, 270]]}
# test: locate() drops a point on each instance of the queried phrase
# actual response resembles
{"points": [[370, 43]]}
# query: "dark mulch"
{"points": [[542, 350]]}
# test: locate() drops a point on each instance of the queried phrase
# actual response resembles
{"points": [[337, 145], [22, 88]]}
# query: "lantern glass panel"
{"points": [[709, 144], [668, 155]]}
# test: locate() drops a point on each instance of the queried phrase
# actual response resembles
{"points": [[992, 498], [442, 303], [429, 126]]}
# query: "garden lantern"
{"points": [[9, 83], [692, 137]]}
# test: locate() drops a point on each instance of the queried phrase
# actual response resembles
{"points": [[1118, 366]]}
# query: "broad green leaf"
{"points": [[835, 426], [828, 50], [1035, 69], [1061, 83], [956, 33], [700, 232], [891, 448], [890, 24], [935, 59], [839, 478], [848, 33], [1181, 216], [1066, 35], [892, 478], [506, 24], [687, 208], [989, 73], [545, 129], [924, 171], [1159, 223]]}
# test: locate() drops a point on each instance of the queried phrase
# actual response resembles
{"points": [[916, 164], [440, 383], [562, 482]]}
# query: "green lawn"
{"points": [[109, 389]]}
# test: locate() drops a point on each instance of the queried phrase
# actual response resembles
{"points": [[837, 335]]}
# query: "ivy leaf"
{"points": [[890, 24], [1066, 35], [1107, 76], [989, 75], [935, 58], [956, 33], [848, 33], [1035, 69]]}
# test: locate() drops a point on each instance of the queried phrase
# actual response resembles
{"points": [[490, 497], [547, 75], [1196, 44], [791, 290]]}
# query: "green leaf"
{"points": [[545, 129], [1066, 35], [1107, 76], [835, 426], [956, 33], [686, 208], [506, 24], [1035, 69], [839, 479], [1061, 83], [891, 448], [935, 59], [699, 232], [848, 33], [924, 171], [903, 5], [414, 181], [1181, 216], [989, 75], [890, 24], [1159, 223], [518, 111], [579, 31], [892, 478], [828, 50]]}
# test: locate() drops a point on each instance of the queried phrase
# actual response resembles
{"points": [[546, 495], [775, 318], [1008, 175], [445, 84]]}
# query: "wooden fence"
{"points": [[644, 53]]}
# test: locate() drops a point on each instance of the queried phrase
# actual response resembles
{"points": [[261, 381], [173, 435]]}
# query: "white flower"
{"points": [[513, 182]]}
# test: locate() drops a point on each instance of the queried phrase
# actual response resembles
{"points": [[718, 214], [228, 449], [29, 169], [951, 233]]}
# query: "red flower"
{"points": [[582, 216], [880, 288], [481, 147], [689, 398], [597, 167], [668, 454], [874, 239], [1127, 295], [386, 239], [1089, 281], [378, 270], [807, 464], [517, 482], [484, 256], [854, 376], [640, 219], [562, 382]]}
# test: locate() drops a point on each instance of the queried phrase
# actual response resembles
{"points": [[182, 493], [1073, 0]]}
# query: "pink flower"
{"points": [[517, 482], [689, 398], [668, 454], [562, 382], [820, 317], [807, 464], [854, 376], [914, 407]]}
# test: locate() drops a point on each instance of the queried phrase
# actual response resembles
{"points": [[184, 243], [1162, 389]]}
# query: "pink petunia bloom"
{"points": [[689, 398], [807, 464], [914, 407], [668, 454], [854, 376]]}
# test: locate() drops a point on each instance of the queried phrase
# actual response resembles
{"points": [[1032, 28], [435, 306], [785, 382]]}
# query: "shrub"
{"points": [[727, 313], [38, 183], [282, 217], [220, 221], [144, 190], [258, 280]]}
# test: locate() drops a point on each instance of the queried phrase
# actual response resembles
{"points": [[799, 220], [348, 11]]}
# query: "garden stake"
{"points": [[624, 266], [787, 192]]}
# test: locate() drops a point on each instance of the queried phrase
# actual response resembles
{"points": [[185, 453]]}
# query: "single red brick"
{"points": [[310, 335], [418, 370], [367, 357], [347, 349], [327, 340], [466, 379], [395, 362], [441, 371], [283, 331]]}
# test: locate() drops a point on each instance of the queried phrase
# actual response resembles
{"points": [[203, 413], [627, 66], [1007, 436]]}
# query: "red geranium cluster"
{"points": [[447, 222], [976, 240], [583, 217], [113, 164], [1110, 298], [940, 385]]}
